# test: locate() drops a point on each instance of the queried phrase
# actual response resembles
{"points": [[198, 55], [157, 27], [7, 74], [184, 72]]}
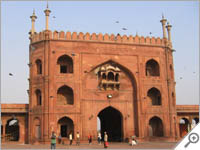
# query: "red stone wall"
{"points": [[89, 52]]}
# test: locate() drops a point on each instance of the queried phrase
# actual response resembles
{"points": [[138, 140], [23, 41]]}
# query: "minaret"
{"points": [[47, 12], [163, 21], [33, 17], [169, 32]]}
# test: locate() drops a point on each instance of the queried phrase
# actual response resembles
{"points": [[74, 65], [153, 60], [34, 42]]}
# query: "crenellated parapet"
{"points": [[74, 36]]}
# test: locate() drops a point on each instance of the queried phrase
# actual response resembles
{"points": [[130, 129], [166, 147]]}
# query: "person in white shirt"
{"points": [[99, 138], [70, 138], [77, 138]]}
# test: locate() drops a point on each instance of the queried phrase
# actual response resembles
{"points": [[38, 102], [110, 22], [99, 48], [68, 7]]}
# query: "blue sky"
{"points": [[142, 17]]}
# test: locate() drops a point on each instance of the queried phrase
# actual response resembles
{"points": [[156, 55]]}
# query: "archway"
{"points": [[66, 126], [12, 130], [183, 126], [111, 121], [156, 127], [37, 129], [118, 77]]}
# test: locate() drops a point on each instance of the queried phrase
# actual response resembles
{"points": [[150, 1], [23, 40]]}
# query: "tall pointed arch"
{"points": [[111, 122], [134, 86]]}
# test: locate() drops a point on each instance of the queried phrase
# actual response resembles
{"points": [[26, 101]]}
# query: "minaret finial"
{"points": [[47, 12], [163, 21], [33, 18], [47, 5], [169, 33]]}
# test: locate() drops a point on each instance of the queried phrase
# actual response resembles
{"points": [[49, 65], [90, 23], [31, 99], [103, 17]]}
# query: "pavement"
{"points": [[112, 145]]}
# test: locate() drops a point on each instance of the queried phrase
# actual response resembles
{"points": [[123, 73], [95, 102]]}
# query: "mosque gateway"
{"points": [[78, 82]]}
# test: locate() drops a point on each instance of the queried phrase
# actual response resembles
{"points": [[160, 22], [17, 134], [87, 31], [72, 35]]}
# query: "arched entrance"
{"points": [[155, 127], [111, 121], [12, 130], [66, 126], [124, 80], [183, 125]]}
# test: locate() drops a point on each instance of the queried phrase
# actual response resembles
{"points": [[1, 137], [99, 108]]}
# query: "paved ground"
{"points": [[149, 145]]}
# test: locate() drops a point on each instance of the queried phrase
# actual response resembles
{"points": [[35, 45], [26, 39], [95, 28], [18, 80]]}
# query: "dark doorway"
{"points": [[111, 122], [156, 127], [12, 130], [63, 130], [66, 126]]}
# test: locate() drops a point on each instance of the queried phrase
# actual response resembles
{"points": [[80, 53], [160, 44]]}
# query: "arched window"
{"points": [[39, 66], [66, 64], [152, 68], [99, 75], [155, 96], [65, 96], [104, 76], [38, 97], [111, 76], [155, 127], [117, 77]]}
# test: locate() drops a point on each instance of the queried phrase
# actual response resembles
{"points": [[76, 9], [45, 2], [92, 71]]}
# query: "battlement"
{"points": [[74, 36]]}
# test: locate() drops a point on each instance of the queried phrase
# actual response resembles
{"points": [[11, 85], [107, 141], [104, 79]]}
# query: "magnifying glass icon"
{"points": [[193, 138]]}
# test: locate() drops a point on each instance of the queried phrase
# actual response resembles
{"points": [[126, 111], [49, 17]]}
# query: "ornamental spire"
{"points": [[47, 12], [163, 21], [169, 32], [33, 18]]}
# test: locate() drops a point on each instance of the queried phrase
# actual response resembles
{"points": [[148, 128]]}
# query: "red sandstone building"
{"points": [[75, 78]]}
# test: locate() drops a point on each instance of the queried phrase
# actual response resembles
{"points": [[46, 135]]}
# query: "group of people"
{"points": [[53, 139], [99, 138]]}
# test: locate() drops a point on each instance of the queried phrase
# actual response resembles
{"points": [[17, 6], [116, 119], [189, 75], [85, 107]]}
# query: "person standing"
{"points": [[90, 139], [53, 140], [105, 140], [70, 138], [99, 138], [77, 138]]}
